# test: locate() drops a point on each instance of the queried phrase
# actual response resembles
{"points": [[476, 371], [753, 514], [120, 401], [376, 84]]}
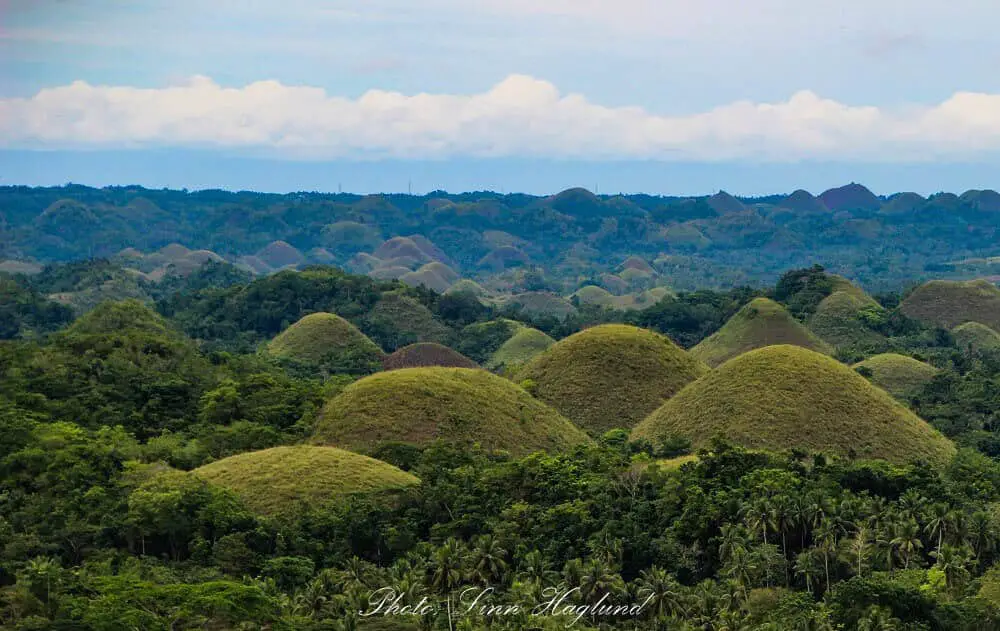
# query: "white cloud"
{"points": [[519, 117]]}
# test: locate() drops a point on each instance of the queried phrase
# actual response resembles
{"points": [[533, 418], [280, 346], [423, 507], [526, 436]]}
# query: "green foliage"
{"points": [[902, 377], [802, 290], [327, 343]]}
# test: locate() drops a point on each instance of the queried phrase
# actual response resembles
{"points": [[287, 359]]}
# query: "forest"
{"points": [[135, 433], [214, 446]]}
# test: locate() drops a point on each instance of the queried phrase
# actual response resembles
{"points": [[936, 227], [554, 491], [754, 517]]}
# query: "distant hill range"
{"points": [[623, 244]]}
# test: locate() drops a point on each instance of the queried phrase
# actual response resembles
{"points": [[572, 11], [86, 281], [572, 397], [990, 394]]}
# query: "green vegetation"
{"points": [[761, 323], [329, 342], [275, 481], [899, 375], [418, 406], [783, 397], [845, 318], [398, 320], [948, 304], [540, 304], [976, 337], [610, 376], [426, 354], [517, 351]]}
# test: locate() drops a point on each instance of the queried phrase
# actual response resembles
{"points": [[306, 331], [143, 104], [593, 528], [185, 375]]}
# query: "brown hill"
{"points": [[426, 354]]}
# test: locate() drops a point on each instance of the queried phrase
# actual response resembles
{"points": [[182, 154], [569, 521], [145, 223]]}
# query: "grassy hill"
{"points": [[421, 405], [948, 304], [784, 397], [517, 351], [899, 375], [540, 303], [397, 320], [426, 354], [977, 337], [838, 318], [276, 480], [611, 375], [326, 340], [760, 323]]}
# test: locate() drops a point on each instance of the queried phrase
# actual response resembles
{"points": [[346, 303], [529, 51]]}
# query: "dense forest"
{"points": [[225, 451], [577, 238]]}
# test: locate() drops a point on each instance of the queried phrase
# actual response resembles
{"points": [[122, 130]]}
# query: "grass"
{"points": [[467, 286], [593, 295], [421, 405], [322, 337], [522, 347], [760, 323], [785, 397], [442, 270], [899, 375], [976, 337], [276, 480], [611, 375], [426, 354], [837, 319], [948, 304]]}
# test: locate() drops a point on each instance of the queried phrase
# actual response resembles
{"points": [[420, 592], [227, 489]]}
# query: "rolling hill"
{"points": [[459, 405], [611, 375], [276, 480], [760, 323], [976, 337], [948, 304], [787, 397], [325, 340], [426, 354], [899, 375]]}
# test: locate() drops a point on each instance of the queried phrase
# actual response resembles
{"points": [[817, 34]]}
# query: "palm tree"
{"points": [[598, 579], [666, 591], [953, 562], [536, 568], [808, 567], [732, 541], [783, 518], [758, 517], [981, 532], [937, 521], [826, 545], [861, 548], [487, 560], [446, 572], [907, 541]]}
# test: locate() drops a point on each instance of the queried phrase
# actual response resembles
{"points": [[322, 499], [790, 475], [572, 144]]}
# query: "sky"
{"points": [[658, 96]]}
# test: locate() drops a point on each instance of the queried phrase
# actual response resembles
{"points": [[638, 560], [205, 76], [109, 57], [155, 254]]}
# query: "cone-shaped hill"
{"points": [[420, 405], [276, 480], [899, 375], [761, 322], [784, 397], [976, 337], [517, 351], [947, 304], [328, 341], [426, 354], [838, 317], [611, 375]]}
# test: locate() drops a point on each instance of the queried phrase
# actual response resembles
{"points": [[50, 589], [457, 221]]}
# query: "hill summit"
{"points": [[761, 322], [611, 375], [787, 397], [947, 304]]}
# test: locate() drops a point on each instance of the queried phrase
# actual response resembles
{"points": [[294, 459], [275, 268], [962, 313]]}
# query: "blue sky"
{"points": [[752, 97]]}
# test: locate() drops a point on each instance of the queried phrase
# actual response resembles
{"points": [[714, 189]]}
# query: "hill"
{"points": [[976, 337], [276, 480], [328, 341], [839, 320], [851, 197], [899, 375], [540, 303], [610, 375], [426, 354], [397, 320], [786, 397], [420, 405], [762, 322], [948, 304], [518, 350]]}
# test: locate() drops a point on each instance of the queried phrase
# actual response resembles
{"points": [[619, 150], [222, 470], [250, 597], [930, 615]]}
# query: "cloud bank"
{"points": [[519, 117]]}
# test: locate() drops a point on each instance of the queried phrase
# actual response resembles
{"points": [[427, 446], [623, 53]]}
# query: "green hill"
{"points": [[327, 341], [517, 351], [611, 375], [899, 375], [276, 480], [947, 303], [976, 337], [593, 295], [540, 303], [397, 320], [428, 278], [839, 320], [458, 405], [426, 354], [784, 397], [760, 323], [467, 286]]}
